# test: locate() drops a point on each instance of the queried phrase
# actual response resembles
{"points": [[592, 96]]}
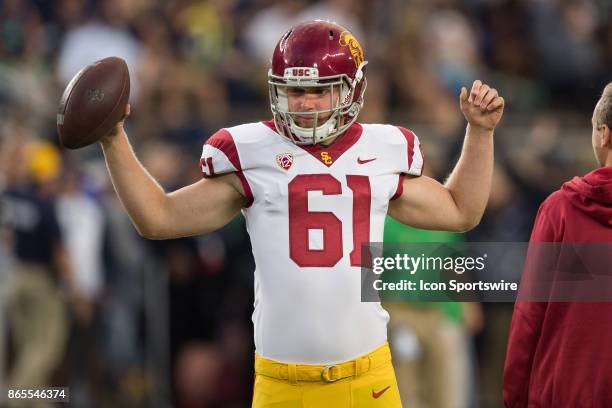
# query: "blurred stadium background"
{"points": [[168, 323]]}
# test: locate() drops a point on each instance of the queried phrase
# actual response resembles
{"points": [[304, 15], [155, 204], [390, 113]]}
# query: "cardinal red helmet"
{"points": [[324, 55]]}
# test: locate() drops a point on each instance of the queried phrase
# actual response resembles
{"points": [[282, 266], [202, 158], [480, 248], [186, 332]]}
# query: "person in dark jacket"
{"points": [[36, 307], [560, 353]]}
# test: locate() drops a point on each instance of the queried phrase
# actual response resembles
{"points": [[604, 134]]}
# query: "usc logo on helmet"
{"points": [[326, 158], [348, 40]]}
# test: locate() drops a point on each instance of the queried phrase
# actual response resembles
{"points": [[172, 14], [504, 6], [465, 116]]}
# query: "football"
{"points": [[93, 102]]}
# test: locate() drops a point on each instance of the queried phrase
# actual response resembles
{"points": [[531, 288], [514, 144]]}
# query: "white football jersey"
{"points": [[310, 209]]}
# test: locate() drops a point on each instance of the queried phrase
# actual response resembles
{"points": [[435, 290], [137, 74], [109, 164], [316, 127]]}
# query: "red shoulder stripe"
{"points": [[223, 141], [410, 142]]}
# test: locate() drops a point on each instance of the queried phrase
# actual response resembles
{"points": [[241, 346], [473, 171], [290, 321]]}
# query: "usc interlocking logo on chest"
{"points": [[326, 158]]}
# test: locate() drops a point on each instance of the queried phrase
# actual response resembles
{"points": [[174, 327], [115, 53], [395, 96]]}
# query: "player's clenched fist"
{"points": [[482, 106]]}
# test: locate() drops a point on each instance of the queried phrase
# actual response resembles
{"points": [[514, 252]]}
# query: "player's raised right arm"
{"points": [[199, 208]]}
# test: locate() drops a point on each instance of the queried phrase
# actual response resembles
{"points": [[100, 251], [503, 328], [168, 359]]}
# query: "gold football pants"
{"points": [[367, 381]]}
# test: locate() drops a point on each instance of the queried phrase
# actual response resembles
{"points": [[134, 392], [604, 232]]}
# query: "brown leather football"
{"points": [[93, 102]]}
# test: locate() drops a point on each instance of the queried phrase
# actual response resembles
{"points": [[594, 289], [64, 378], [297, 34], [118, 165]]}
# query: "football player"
{"points": [[313, 185]]}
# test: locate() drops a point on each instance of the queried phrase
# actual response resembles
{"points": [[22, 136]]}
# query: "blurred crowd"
{"points": [[129, 322]]}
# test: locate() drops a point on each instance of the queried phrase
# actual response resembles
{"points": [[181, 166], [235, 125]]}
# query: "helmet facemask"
{"points": [[344, 105]]}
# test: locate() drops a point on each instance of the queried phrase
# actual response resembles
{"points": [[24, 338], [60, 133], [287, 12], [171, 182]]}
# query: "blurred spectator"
{"points": [[568, 56], [431, 341], [198, 376], [110, 36], [121, 310], [82, 224], [38, 321], [209, 28], [267, 25], [455, 48]]}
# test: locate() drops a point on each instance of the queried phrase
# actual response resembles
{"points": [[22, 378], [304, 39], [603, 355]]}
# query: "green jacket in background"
{"points": [[397, 233]]}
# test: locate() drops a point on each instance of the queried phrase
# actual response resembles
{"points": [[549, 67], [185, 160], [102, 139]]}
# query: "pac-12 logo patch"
{"points": [[284, 160]]}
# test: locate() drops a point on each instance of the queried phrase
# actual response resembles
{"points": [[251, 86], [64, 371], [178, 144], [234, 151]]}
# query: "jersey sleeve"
{"points": [[220, 156], [415, 160], [410, 159]]}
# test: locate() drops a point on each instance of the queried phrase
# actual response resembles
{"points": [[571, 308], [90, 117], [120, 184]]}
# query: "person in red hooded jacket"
{"points": [[560, 353]]}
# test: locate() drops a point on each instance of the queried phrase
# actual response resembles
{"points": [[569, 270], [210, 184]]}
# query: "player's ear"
{"points": [[606, 136]]}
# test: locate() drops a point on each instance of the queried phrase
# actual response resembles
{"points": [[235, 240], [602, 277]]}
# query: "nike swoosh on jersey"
{"points": [[365, 161], [379, 393]]}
